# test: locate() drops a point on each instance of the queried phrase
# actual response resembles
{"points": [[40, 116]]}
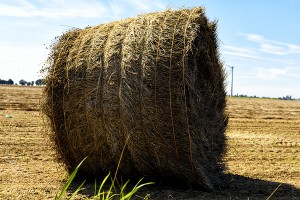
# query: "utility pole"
{"points": [[231, 80], [231, 94]]}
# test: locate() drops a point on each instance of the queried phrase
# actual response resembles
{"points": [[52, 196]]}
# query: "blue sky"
{"points": [[260, 38]]}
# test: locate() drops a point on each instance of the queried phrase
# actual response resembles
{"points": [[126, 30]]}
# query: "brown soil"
{"points": [[263, 151]]}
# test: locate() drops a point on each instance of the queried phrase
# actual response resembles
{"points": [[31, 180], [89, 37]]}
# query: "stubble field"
{"points": [[263, 151]]}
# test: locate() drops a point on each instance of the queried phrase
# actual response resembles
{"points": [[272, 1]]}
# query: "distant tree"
{"points": [[22, 82], [287, 97], [10, 82], [243, 95], [40, 82]]}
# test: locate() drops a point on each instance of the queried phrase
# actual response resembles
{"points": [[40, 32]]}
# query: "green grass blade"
{"points": [[76, 191], [103, 182], [69, 181], [112, 196], [112, 186], [61, 185], [123, 188], [135, 189], [95, 188]]}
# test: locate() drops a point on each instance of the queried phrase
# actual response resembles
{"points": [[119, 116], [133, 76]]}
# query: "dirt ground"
{"points": [[263, 151]]}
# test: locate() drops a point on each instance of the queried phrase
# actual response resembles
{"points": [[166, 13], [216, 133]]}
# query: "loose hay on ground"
{"points": [[154, 84]]}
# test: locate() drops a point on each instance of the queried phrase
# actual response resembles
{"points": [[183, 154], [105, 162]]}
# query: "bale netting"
{"points": [[148, 89]]}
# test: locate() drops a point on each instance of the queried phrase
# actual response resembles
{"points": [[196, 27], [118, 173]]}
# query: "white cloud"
{"points": [[252, 54], [75, 8], [273, 47], [131, 8], [239, 49], [239, 52], [272, 73], [254, 37], [53, 9], [147, 5]]}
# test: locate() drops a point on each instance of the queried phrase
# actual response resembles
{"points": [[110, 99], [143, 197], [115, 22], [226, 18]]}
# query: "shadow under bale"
{"points": [[148, 89]]}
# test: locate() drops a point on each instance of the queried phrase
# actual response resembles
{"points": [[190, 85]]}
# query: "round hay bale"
{"points": [[148, 89]]}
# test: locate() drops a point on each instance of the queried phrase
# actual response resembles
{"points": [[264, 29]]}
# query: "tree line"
{"points": [[7, 82], [38, 82], [287, 97]]}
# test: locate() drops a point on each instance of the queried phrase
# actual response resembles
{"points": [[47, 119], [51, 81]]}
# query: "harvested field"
{"points": [[263, 151]]}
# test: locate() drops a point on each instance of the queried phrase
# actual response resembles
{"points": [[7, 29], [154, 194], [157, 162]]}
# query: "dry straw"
{"points": [[154, 82]]}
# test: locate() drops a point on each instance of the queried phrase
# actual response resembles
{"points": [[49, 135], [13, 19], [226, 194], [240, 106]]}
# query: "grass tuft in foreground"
{"points": [[100, 193]]}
